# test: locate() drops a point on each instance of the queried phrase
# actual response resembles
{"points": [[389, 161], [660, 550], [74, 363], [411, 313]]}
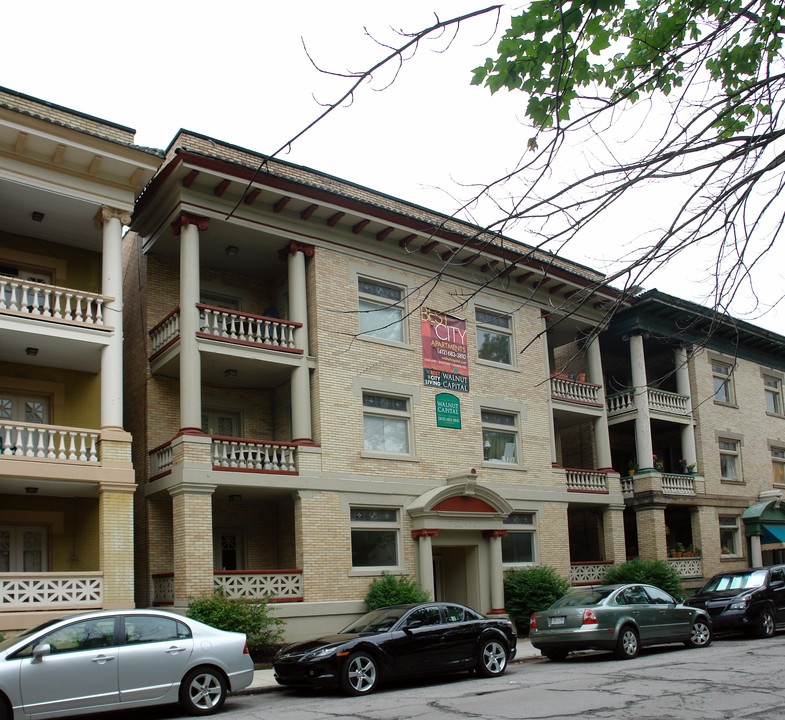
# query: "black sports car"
{"points": [[398, 641]]}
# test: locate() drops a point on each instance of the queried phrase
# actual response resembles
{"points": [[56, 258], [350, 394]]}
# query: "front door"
{"points": [[23, 548]]}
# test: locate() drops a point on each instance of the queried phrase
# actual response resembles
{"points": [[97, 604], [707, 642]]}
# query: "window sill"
{"points": [[731, 558], [501, 366], [372, 455], [502, 465], [775, 415], [726, 404], [389, 343], [375, 571], [732, 481]]}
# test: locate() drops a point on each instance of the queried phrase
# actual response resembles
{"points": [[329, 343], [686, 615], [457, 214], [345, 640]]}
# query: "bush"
{"points": [[245, 616], [529, 590], [652, 572], [394, 590]]}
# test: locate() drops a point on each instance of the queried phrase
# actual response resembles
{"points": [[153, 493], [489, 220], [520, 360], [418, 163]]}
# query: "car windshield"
{"points": [[376, 621], [27, 633], [736, 581], [583, 598]]}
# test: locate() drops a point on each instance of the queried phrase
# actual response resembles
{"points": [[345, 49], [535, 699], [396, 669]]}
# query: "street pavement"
{"points": [[263, 679]]}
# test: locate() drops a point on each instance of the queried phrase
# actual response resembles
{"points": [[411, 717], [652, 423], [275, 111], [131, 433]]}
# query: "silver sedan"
{"points": [[112, 660]]}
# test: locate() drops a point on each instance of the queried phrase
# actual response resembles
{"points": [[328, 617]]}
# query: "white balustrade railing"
{"points": [[54, 442], [160, 460], [586, 480], [37, 591], [687, 567], [621, 402], [247, 328], [163, 589], [51, 302], [272, 584], [166, 330], [589, 573], [574, 390], [627, 487], [667, 401], [678, 484], [259, 455]]}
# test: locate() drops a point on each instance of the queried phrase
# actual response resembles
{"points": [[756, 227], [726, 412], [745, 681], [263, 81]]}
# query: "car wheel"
{"points": [[555, 655], [492, 658], [700, 634], [765, 626], [202, 691], [359, 674], [628, 645]]}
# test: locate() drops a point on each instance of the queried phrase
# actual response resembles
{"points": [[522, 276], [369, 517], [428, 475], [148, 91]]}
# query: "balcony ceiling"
{"points": [[47, 488]]}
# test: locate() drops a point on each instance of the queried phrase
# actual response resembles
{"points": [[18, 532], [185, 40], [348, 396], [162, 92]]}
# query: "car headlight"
{"points": [[323, 652], [739, 604]]}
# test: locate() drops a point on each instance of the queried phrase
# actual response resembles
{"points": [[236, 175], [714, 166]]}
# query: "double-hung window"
{"points": [[778, 465], [376, 533], [773, 389], [499, 436], [381, 310], [386, 423], [730, 465], [494, 336], [518, 546], [723, 382], [729, 535]]}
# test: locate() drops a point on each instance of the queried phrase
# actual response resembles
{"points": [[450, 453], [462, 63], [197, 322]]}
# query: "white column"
{"points": [[601, 434], [425, 561], [757, 555], [190, 362], [551, 423], [683, 388], [643, 445], [112, 286], [497, 576], [301, 376]]}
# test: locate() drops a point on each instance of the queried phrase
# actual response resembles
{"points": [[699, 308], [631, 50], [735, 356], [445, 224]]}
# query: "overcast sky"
{"points": [[237, 70]]}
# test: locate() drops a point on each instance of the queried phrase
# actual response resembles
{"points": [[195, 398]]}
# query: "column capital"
{"points": [[109, 486], [106, 213], [188, 219], [494, 533], [192, 488], [295, 247], [425, 532]]}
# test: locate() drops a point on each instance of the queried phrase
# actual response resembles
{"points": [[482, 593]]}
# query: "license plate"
{"points": [[558, 620]]}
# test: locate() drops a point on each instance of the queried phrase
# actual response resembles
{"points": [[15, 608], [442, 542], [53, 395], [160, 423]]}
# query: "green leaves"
{"points": [[625, 52]]}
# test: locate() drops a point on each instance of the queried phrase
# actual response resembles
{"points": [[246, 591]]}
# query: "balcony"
{"points": [[574, 391], [29, 441], [672, 483], [687, 567], [51, 591], [274, 585], [662, 401], [587, 481], [589, 573]]}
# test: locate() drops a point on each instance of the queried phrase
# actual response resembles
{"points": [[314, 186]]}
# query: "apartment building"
{"points": [[67, 186], [330, 383], [697, 428]]}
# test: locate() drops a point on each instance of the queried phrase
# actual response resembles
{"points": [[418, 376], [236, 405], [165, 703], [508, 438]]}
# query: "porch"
{"points": [[272, 585]]}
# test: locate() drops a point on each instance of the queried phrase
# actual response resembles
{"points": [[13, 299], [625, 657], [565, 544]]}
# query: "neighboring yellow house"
{"points": [[67, 185]]}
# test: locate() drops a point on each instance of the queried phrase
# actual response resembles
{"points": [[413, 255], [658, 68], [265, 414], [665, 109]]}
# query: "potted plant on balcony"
{"points": [[657, 462], [632, 468]]}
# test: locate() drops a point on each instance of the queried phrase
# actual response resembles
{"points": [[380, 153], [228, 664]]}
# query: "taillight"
{"points": [[245, 649], [533, 622], [589, 618]]}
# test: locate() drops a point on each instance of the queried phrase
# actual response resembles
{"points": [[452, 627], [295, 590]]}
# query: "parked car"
{"points": [[399, 641], [622, 618], [748, 600], [112, 660]]}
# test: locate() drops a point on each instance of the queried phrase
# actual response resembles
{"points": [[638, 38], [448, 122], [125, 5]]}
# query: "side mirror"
{"points": [[40, 651], [777, 584], [413, 624]]}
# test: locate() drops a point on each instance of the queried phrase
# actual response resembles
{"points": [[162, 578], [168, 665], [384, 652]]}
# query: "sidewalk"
{"points": [[263, 679]]}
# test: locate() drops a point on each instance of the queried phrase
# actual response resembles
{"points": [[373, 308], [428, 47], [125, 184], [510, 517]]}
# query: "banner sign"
{"points": [[445, 360], [448, 411]]}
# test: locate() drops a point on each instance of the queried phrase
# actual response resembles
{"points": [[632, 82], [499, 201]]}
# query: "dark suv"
{"points": [[751, 600]]}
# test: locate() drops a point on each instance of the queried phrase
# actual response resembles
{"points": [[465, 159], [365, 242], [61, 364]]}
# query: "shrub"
{"points": [[529, 590], [394, 590], [245, 616], [652, 572]]}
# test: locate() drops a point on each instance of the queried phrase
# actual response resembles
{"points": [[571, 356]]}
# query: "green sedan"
{"points": [[621, 618]]}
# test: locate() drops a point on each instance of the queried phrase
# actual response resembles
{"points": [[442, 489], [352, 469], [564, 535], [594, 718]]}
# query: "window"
{"points": [[729, 460], [499, 437], [518, 546], [381, 310], [85, 635], [659, 597], [23, 548], [24, 408], [425, 616], [729, 535], [494, 337], [778, 465], [375, 537], [723, 382], [221, 423], [153, 628], [773, 390], [386, 424]]}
